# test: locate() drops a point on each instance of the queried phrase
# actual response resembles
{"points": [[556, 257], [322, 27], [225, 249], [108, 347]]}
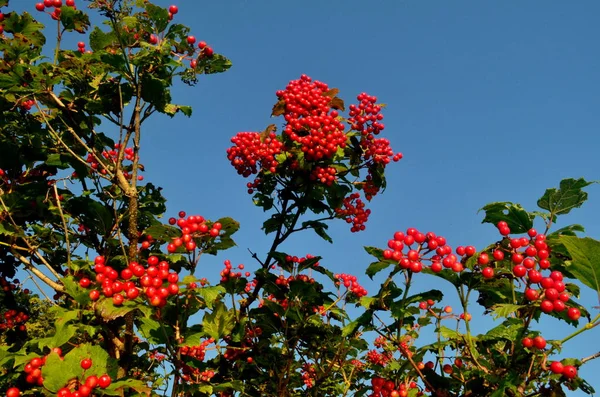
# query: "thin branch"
{"points": [[29, 266], [590, 358], [64, 222]]}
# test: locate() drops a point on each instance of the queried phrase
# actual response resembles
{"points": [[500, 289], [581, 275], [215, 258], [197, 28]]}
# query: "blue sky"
{"points": [[488, 101]]}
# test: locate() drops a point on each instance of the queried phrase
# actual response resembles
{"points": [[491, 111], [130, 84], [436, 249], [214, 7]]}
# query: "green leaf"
{"points": [[585, 263], [57, 373], [163, 232], [158, 15], [100, 40], [219, 322], [509, 330], [374, 251], [210, 295], [562, 200], [449, 333], [376, 267], [570, 230], [505, 309], [108, 311], [151, 330], [433, 294], [73, 19], [72, 287], [172, 109], [518, 220]]}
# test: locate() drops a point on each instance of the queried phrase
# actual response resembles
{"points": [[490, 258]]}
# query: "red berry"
{"points": [[91, 381], [84, 390], [94, 295], [86, 363], [40, 7], [487, 272], [57, 3], [547, 306], [527, 342], [85, 282], [539, 342], [532, 294], [574, 313], [36, 362], [191, 40], [118, 299], [569, 371], [104, 381], [557, 367], [49, 3], [202, 45], [498, 255], [519, 270], [483, 259], [174, 10], [13, 392], [70, 3]]}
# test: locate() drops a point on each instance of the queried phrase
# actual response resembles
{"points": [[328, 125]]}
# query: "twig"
{"points": [[590, 358], [64, 222]]}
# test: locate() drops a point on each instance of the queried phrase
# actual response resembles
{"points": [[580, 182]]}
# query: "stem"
{"points": [[64, 222], [586, 327]]}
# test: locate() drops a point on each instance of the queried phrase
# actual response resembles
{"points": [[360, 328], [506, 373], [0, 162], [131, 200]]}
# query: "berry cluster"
{"points": [[27, 104], [312, 123], [197, 352], [529, 258], [325, 175], [387, 388], [55, 5], [193, 228], [568, 371], [353, 210], [419, 245], [309, 375], [13, 319], [351, 283], [229, 273], [156, 281], [112, 157], [251, 152]]}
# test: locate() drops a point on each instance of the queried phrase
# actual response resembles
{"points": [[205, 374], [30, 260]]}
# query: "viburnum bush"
{"points": [[122, 306]]}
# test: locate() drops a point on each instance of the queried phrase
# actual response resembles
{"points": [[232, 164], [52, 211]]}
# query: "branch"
{"points": [[590, 358], [64, 222], [29, 266]]}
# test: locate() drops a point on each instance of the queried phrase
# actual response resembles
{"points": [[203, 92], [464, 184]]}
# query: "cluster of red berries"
{"points": [[56, 5], [426, 243], [197, 352], [81, 47], [309, 374], [529, 258], [354, 212], [537, 342], [285, 281], [568, 371], [251, 152], [12, 319], [295, 261], [351, 283], [366, 116], [194, 375], [193, 227], [112, 156], [311, 121], [325, 175], [376, 358], [229, 272], [387, 388], [156, 281], [204, 49], [27, 104]]}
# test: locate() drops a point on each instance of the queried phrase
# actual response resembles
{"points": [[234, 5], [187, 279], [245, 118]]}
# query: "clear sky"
{"points": [[488, 101]]}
